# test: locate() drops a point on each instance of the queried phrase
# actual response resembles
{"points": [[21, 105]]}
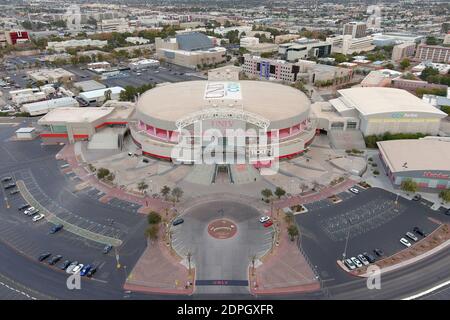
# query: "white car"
{"points": [[264, 219], [30, 209], [349, 264], [77, 268], [412, 236], [405, 242], [38, 217], [354, 190], [71, 267], [363, 259], [357, 263]]}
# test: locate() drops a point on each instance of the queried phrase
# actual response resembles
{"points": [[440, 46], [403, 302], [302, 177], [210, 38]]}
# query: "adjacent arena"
{"points": [[163, 112]]}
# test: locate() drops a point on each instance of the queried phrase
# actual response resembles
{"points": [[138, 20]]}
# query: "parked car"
{"points": [[363, 259], [412, 236], [268, 224], [420, 232], [178, 221], [85, 270], [14, 192], [23, 207], [9, 186], [354, 190], [447, 212], [378, 252], [77, 268], [5, 179], [349, 264], [405, 242], [54, 259], [44, 256], [356, 262], [107, 249], [264, 219], [91, 271], [33, 212], [70, 267], [30, 209], [417, 197], [64, 265], [56, 228], [38, 217], [369, 257]]}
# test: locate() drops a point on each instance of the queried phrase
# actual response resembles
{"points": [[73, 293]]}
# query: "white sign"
{"points": [[223, 90]]}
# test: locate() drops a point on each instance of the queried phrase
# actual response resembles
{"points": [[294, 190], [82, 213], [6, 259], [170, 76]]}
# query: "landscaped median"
{"points": [[52, 218]]}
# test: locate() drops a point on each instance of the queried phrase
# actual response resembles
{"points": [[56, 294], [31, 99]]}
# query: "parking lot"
{"points": [[371, 219], [152, 75]]}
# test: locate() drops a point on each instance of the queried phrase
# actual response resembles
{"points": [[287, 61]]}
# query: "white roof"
{"points": [[100, 92], [25, 130], [49, 104], [423, 154], [375, 100]]}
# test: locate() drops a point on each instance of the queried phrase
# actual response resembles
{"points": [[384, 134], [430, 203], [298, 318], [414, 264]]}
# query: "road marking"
{"points": [[18, 291], [423, 293]]}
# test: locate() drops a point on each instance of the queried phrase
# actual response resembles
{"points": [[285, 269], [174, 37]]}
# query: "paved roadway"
{"points": [[22, 275]]}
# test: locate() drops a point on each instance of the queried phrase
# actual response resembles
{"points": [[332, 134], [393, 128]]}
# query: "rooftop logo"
{"points": [[223, 90]]}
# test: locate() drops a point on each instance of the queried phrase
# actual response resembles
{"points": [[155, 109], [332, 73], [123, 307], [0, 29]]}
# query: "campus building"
{"points": [[163, 113], [377, 110], [355, 29], [438, 54], [403, 50], [68, 125], [304, 48], [425, 161], [189, 50], [345, 44], [256, 67]]}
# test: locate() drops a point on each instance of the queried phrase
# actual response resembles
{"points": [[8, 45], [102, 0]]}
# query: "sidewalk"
{"points": [[322, 194], [160, 271], [284, 270], [147, 203]]}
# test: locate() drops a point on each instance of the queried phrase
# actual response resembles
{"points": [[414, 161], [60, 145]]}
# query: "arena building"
{"points": [[377, 110], [280, 112]]}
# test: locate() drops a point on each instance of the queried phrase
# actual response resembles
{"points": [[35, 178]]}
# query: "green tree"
{"points": [[292, 231], [432, 41], [266, 193], [165, 191], [177, 193], [102, 173], [142, 186], [107, 95], [427, 72], [409, 185], [279, 192], [154, 218], [445, 195], [404, 64]]}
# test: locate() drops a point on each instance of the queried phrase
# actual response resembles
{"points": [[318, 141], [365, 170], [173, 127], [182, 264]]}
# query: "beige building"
{"points": [[51, 75], [348, 45], [438, 54], [355, 29], [403, 50], [189, 50]]}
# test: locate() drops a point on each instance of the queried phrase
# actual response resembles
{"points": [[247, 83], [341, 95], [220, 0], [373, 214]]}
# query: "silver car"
{"points": [[357, 263]]}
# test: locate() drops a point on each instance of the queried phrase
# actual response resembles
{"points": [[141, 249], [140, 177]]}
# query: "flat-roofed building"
{"points": [[403, 50], [377, 110], [98, 96], [51, 75], [439, 54], [43, 107], [425, 161], [75, 124], [355, 29]]}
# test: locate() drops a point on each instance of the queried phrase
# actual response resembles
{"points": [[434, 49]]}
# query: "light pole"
{"points": [[344, 254]]}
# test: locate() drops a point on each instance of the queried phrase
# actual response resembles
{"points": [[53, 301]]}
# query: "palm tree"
{"points": [[165, 192], [142, 186], [152, 232], [266, 193]]}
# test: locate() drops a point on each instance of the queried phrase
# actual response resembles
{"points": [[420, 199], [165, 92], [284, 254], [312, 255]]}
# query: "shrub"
{"points": [[154, 218]]}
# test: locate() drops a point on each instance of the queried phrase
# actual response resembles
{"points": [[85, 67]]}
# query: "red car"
{"points": [[268, 224]]}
